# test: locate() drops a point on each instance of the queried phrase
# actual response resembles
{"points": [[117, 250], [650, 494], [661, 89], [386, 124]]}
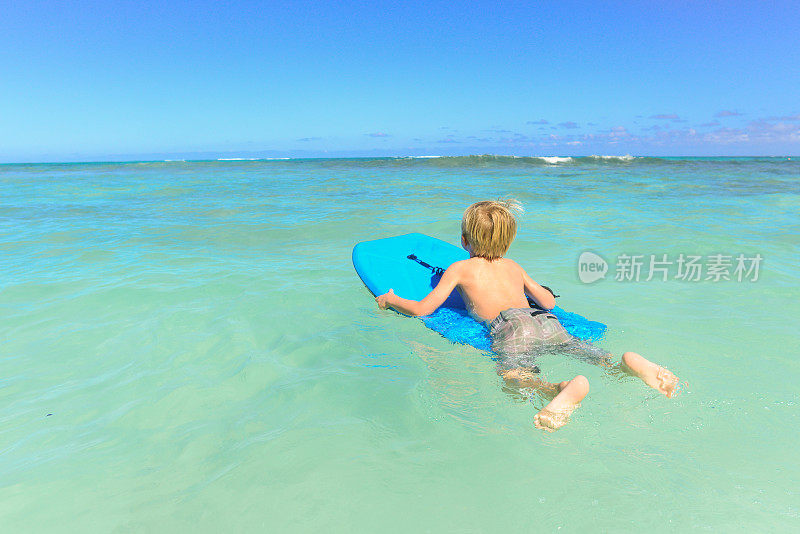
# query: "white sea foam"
{"points": [[554, 160], [626, 157]]}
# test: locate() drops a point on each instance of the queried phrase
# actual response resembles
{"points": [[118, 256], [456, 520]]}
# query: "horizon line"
{"points": [[267, 158]]}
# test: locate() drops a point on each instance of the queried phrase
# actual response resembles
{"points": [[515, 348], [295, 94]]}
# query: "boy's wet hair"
{"points": [[489, 227]]}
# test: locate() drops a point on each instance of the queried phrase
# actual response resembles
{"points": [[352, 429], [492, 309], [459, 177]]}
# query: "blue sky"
{"points": [[115, 80]]}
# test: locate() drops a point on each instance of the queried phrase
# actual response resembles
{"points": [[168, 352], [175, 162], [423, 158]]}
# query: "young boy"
{"points": [[494, 289]]}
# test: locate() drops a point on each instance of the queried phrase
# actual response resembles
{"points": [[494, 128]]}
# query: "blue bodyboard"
{"points": [[412, 264]]}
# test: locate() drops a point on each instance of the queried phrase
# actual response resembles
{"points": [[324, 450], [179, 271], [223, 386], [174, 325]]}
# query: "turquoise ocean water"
{"points": [[184, 346]]}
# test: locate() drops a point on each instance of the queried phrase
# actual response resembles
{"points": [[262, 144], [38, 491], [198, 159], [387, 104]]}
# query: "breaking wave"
{"points": [[492, 160]]}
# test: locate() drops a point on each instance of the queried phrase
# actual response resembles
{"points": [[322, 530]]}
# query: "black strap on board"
{"points": [[436, 270]]}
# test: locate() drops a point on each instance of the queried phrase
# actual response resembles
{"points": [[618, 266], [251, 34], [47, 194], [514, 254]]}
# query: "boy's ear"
{"points": [[465, 244]]}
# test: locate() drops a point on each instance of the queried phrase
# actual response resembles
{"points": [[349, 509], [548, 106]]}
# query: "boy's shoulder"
{"points": [[509, 261], [460, 265]]}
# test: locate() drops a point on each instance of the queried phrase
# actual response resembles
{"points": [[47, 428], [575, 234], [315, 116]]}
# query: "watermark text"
{"points": [[663, 267]]}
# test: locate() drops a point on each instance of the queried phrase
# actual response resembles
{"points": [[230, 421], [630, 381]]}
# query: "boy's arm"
{"points": [[430, 303], [543, 297]]}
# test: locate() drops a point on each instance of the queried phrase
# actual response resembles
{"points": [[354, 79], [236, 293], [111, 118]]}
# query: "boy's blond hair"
{"points": [[489, 227]]}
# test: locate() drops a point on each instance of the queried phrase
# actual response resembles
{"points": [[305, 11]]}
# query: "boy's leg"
{"points": [[565, 396], [655, 376], [557, 412], [587, 352], [522, 377]]}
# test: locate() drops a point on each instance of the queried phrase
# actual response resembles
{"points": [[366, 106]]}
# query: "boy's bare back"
{"points": [[489, 287]]}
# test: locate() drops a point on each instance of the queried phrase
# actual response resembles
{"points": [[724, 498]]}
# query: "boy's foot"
{"points": [[655, 376], [557, 412]]}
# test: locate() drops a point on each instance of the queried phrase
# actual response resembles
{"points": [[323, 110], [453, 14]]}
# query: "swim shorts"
{"points": [[519, 335]]}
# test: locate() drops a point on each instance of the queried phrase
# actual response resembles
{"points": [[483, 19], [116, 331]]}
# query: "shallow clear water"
{"points": [[186, 346]]}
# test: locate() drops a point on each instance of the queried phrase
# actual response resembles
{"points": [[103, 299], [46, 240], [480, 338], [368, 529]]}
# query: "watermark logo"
{"points": [[663, 267], [591, 267]]}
